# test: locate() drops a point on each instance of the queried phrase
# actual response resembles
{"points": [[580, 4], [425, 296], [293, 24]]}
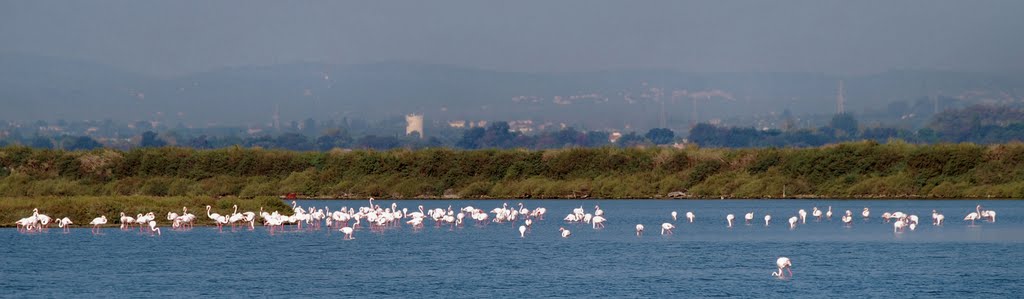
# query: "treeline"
{"points": [[496, 135], [982, 124], [847, 170]]}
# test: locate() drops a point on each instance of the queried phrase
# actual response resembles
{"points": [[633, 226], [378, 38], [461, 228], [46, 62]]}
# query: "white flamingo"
{"points": [[972, 217], [937, 218], [674, 214], [816, 213], [639, 229], [522, 231], [126, 221], [767, 219], [866, 213], [64, 223], [348, 232], [898, 225], [565, 233], [729, 218], [97, 222], [803, 216], [829, 213], [667, 228], [689, 216], [784, 264], [153, 228], [991, 214], [597, 221], [749, 217], [792, 222]]}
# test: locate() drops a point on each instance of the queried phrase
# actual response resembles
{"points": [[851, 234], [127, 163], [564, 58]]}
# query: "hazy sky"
{"points": [[176, 37]]}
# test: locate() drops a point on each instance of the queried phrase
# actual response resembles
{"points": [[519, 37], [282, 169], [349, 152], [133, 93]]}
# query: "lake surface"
{"points": [[702, 259]]}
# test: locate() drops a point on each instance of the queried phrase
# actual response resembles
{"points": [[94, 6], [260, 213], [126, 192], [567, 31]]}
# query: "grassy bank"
{"points": [[848, 170], [82, 209]]}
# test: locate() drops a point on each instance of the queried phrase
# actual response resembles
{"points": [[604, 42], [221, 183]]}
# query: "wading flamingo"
{"points": [[667, 228], [96, 222], [64, 223], [565, 233], [522, 231], [784, 264], [639, 229]]}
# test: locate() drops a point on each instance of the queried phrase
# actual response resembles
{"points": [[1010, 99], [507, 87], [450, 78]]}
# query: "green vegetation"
{"points": [[849, 170], [82, 209]]}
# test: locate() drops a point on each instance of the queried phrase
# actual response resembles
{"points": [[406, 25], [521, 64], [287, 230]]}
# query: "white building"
{"points": [[414, 123]]}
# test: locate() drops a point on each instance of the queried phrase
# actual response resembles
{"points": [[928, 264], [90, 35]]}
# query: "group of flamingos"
{"points": [[378, 218], [390, 216]]}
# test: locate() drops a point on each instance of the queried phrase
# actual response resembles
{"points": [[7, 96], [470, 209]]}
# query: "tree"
{"points": [[41, 142], [660, 135], [844, 122], [80, 143], [149, 139], [471, 138]]}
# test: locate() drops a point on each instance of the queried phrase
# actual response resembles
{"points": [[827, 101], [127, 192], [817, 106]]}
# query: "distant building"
{"points": [[414, 123], [457, 124], [522, 126], [614, 137]]}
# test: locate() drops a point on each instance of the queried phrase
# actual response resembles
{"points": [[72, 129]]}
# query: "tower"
{"points": [[277, 117], [414, 123], [840, 99]]}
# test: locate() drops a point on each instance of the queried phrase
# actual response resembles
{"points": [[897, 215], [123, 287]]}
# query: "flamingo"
{"points": [[898, 225], [729, 218], [767, 219], [64, 223], [153, 228], [674, 214], [639, 229], [803, 216], [847, 219], [597, 211], [597, 221], [829, 213], [783, 263], [215, 216], [749, 217], [792, 222], [565, 233], [522, 231], [44, 220], [689, 216], [528, 222], [96, 222], [972, 217], [816, 213], [348, 232], [667, 227], [937, 218], [986, 213], [912, 218], [25, 223], [126, 220], [866, 213]]}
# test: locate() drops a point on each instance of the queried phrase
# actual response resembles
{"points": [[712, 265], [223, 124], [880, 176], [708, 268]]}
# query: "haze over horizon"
{"points": [[834, 37]]}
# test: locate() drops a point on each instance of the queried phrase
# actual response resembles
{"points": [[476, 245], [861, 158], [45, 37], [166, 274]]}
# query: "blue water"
{"points": [[704, 259]]}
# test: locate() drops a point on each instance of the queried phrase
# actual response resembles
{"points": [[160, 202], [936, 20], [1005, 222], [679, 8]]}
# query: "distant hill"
{"points": [[33, 87]]}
